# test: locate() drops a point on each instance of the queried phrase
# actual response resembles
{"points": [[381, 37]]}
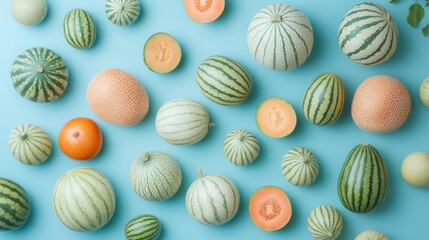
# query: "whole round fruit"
{"points": [[29, 12], [143, 227], [424, 92], [371, 235], [15, 207], [381, 104], [415, 169], [80, 139]]}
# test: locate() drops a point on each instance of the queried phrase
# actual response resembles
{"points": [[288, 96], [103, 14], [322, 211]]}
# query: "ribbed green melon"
{"points": [[223, 80], [371, 235], [15, 206], [83, 199], [39, 75], [143, 227], [324, 100], [122, 12], [362, 183], [424, 92], [182, 121], [300, 166], [155, 176], [325, 223], [368, 34], [30, 144], [212, 199], [241, 147], [280, 37], [79, 29]]}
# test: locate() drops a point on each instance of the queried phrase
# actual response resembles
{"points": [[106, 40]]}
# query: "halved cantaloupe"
{"points": [[270, 208], [162, 53], [275, 117], [204, 11]]}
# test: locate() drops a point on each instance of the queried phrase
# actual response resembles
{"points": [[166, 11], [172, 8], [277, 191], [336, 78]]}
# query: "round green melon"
{"points": [[324, 100], [325, 223], [223, 80], [280, 37], [15, 207], [212, 199], [182, 122], [424, 92], [143, 227], [79, 29], [39, 75], [300, 166], [83, 199], [155, 176], [241, 147], [371, 235], [122, 12], [368, 34], [29, 12], [30, 144]]}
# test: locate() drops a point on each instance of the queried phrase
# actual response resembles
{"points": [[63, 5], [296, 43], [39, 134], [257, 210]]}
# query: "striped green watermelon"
{"points": [[223, 80], [15, 207], [145, 227], [371, 235], [155, 176], [122, 12], [39, 75], [362, 183], [324, 100], [280, 37], [30, 144], [325, 223], [83, 199], [79, 29], [182, 122], [300, 166], [241, 147], [368, 34], [212, 199]]}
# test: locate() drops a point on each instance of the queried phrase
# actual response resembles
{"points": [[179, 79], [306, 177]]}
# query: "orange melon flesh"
{"points": [[275, 117], [204, 11], [270, 208], [162, 53]]}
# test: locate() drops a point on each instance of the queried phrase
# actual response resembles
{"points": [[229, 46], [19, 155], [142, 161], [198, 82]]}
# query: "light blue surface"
{"points": [[403, 214]]}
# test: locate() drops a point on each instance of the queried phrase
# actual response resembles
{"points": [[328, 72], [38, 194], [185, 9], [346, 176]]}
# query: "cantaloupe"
{"points": [[270, 208], [117, 97], [162, 53], [275, 117], [381, 104], [204, 11]]}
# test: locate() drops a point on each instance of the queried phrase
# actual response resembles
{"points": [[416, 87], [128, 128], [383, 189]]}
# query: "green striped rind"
{"points": [[324, 100], [325, 223], [241, 147], [83, 199], [300, 166], [143, 227], [371, 235], [79, 29], [280, 37], [223, 80], [362, 183], [212, 199], [122, 12], [15, 207], [39, 75], [182, 122], [424, 92], [368, 34], [155, 176], [30, 144]]}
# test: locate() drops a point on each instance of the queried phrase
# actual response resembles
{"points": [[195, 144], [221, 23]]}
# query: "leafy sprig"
{"points": [[416, 13]]}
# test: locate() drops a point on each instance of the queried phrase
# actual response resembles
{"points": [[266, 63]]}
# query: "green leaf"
{"points": [[427, 4], [415, 14], [392, 1], [425, 30]]}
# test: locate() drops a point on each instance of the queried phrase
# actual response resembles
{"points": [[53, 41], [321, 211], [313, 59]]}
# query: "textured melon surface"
{"points": [[204, 11], [424, 92], [275, 117], [122, 12], [162, 53], [29, 12], [371, 235], [79, 29], [241, 147], [15, 206], [143, 227], [300, 166], [325, 223]]}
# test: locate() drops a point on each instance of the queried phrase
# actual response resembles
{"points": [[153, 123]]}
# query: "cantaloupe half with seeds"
{"points": [[275, 117], [270, 208], [204, 11], [162, 53]]}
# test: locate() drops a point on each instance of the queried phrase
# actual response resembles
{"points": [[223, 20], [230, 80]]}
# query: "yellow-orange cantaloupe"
{"points": [[275, 117], [204, 11], [162, 53]]}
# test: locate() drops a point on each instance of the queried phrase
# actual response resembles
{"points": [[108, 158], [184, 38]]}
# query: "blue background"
{"points": [[403, 214]]}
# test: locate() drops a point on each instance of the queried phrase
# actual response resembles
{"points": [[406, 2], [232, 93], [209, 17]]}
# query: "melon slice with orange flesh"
{"points": [[162, 53], [275, 117], [204, 11], [270, 208]]}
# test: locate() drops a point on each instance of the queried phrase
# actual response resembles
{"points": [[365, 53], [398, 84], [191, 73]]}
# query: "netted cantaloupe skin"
{"points": [[117, 97]]}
